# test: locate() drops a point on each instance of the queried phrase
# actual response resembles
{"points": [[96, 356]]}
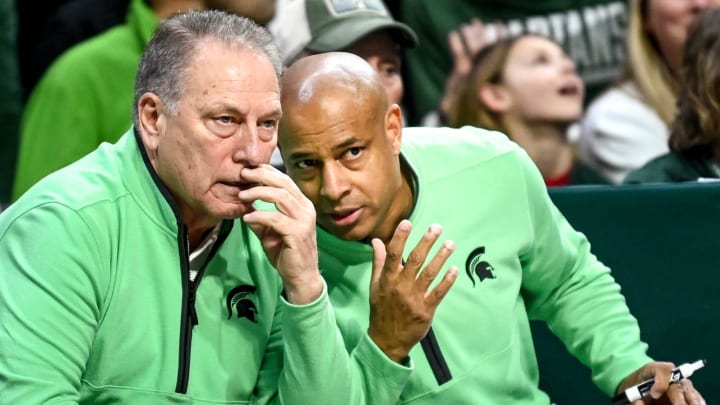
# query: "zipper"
{"points": [[188, 316], [435, 358]]}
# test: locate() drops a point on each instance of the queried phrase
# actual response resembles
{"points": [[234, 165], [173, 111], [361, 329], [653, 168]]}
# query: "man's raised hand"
{"points": [[402, 305]]}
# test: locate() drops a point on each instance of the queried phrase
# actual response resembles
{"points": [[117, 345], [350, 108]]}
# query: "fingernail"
{"points": [[435, 229], [449, 245], [404, 225]]}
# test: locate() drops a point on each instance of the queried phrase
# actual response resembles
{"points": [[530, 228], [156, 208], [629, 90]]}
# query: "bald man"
{"points": [[342, 144]]}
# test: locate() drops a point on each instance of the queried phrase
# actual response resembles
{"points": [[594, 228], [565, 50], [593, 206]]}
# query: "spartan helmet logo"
{"points": [[480, 268], [239, 302]]}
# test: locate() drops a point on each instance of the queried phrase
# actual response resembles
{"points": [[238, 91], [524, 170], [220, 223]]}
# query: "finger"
{"points": [[283, 199], [433, 268], [467, 36], [267, 175], [461, 60], [676, 394], [394, 249], [378, 261], [258, 229], [416, 258], [692, 396], [501, 31], [271, 220], [456, 46], [662, 372], [476, 39], [436, 295]]}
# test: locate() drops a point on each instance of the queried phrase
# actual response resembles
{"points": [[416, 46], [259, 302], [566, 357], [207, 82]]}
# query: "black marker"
{"points": [[643, 389]]}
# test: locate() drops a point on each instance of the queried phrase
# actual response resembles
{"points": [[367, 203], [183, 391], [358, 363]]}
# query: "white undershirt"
{"points": [[199, 255]]}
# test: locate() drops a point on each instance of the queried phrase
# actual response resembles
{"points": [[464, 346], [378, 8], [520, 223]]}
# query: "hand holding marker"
{"points": [[643, 389]]}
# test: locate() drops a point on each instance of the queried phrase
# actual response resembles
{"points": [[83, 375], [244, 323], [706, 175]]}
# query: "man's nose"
{"points": [[250, 147], [334, 182]]}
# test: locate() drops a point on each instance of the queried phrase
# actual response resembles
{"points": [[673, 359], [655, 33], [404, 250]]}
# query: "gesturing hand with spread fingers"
{"points": [[402, 305]]}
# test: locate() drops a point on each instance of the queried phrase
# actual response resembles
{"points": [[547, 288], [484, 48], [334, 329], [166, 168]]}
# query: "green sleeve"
{"points": [[60, 124], [565, 285], [50, 298], [318, 369]]}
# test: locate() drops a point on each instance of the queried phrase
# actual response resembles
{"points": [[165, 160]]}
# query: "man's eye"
{"points": [[389, 70], [305, 164], [354, 152], [225, 119], [269, 124], [392, 70]]}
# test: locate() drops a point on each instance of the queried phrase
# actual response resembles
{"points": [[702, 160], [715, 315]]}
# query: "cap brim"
{"points": [[342, 33]]}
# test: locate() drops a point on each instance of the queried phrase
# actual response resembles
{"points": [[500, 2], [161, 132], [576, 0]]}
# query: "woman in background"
{"points": [[629, 124], [527, 87], [695, 133]]}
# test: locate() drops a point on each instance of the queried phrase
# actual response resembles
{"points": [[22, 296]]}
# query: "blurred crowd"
{"points": [[596, 91]]}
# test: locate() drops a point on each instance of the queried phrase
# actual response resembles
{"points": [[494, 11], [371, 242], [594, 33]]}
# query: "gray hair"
{"points": [[170, 49]]}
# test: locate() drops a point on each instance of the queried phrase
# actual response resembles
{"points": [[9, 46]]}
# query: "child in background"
{"points": [[527, 87]]}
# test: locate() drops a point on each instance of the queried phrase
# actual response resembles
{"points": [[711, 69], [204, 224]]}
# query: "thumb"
{"points": [[379, 254]]}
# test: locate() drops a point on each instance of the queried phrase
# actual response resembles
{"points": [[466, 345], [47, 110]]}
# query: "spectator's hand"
{"points": [[288, 234], [401, 302], [662, 392], [465, 43]]}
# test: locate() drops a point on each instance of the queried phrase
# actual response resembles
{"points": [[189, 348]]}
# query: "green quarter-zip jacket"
{"points": [[518, 259], [96, 306]]}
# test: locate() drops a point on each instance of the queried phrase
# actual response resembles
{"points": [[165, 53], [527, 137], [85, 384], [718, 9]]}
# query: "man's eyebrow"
{"points": [[299, 156], [221, 106], [346, 143], [274, 113], [307, 155]]}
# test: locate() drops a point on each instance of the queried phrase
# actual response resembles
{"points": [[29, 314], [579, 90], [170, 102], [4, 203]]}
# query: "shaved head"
{"points": [[333, 77]]}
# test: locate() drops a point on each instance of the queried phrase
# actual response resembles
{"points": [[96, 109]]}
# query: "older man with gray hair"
{"points": [[145, 273]]}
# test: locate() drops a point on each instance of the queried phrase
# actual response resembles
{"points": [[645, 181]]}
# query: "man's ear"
{"points": [[393, 127], [494, 97], [151, 116]]}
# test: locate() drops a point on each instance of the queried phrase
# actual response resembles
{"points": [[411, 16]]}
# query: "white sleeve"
{"points": [[621, 133]]}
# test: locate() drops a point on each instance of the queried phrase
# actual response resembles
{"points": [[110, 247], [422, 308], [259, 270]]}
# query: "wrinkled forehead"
{"points": [[325, 121], [221, 64]]}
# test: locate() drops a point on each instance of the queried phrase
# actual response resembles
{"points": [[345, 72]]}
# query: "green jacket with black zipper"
{"points": [[97, 306]]}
